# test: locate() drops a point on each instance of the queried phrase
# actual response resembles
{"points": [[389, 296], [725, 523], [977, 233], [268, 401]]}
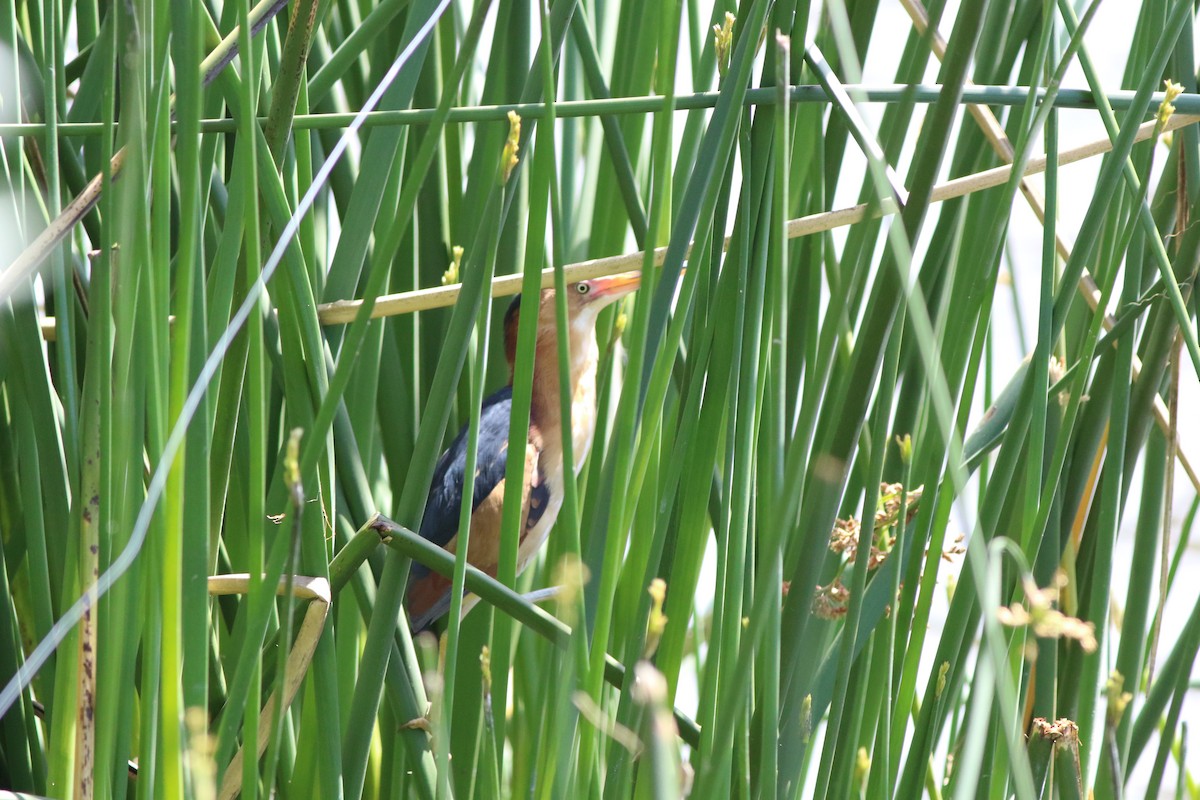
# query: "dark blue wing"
{"points": [[429, 592], [442, 508]]}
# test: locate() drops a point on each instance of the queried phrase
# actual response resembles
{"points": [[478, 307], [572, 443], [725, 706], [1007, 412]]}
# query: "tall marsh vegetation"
{"points": [[249, 255]]}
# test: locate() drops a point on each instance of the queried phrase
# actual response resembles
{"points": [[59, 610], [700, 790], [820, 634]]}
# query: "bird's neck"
{"points": [[546, 404], [546, 384]]}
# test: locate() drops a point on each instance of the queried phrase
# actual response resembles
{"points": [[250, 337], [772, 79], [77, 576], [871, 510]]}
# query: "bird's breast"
{"points": [[537, 529], [583, 416], [547, 422]]}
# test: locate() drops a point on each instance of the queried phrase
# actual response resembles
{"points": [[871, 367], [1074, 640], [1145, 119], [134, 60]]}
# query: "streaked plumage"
{"points": [[429, 592]]}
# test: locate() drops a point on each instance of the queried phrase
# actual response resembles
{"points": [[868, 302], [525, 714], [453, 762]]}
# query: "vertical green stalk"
{"points": [[480, 338], [85, 516], [162, 374], [53, 85], [175, 698], [256, 487], [541, 183], [114, 732], [774, 436]]}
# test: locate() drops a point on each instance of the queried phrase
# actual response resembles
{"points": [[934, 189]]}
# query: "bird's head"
{"points": [[585, 299]]}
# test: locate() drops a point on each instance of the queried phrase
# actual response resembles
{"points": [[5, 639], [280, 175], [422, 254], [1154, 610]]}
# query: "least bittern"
{"points": [[541, 494]]}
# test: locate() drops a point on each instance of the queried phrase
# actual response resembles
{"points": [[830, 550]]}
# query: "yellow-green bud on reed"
{"points": [[451, 274], [723, 42], [512, 146], [1167, 107]]}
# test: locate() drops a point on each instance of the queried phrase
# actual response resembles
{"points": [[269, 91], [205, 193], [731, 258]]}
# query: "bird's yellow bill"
{"points": [[618, 285]]}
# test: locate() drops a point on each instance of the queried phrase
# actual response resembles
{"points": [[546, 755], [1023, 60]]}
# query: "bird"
{"points": [[428, 592]]}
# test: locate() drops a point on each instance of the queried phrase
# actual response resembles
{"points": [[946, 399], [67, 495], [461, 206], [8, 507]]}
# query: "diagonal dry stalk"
{"points": [[313, 589], [61, 226], [1087, 285], [342, 311], [389, 305]]}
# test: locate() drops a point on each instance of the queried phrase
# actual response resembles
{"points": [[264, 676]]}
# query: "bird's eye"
{"points": [[582, 288]]}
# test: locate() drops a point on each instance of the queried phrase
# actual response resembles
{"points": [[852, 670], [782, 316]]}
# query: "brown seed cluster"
{"points": [[1046, 621], [847, 532], [832, 600]]}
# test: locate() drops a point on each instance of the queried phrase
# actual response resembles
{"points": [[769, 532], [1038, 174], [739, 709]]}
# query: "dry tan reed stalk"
{"points": [[1087, 285]]}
